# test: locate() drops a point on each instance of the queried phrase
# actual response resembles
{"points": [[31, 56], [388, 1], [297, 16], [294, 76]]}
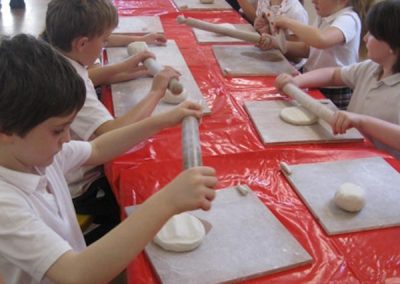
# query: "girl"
{"points": [[375, 81], [333, 40]]}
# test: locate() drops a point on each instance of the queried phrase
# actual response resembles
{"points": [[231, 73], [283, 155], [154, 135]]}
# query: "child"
{"points": [[375, 81], [40, 239], [79, 30], [292, 9], [248, 9], [333, 40]]}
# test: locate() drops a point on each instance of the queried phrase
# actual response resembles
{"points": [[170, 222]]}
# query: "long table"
{"points": [[230, 144]]}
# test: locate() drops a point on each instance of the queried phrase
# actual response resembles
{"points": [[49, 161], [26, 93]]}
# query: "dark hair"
{"points": [[36, 83], [383, 22], [67, 20]]}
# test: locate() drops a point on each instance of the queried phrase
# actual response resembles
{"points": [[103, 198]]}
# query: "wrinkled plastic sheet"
{"points": [[231, 145]]}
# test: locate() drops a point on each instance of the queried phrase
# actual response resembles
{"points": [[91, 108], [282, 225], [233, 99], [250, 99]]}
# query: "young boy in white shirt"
{"points": [[79, 30], [40, 239]]}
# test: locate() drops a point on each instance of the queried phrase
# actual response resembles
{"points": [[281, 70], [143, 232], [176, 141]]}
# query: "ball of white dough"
{"points": [[170, 98], [183, 232], [297, 115], [350, 197], [206, 1]]}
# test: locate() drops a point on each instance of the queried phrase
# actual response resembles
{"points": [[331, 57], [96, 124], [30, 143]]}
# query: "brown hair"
{"points": [[68, 19]]}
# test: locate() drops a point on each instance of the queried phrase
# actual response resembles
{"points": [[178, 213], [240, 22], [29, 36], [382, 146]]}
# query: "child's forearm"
{"points": [[323, 77], [105, 258], [122, 40], [248, 9], [116, 142], [104, 75]]}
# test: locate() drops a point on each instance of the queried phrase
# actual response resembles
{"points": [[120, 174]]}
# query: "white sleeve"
{"points": [[25, 240], [348, 24], [91, 116], [73, 155]]}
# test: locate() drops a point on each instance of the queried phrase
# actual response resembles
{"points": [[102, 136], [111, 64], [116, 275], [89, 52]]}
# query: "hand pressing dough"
{"points": [[183, 232], [170, 98], [207, 1], [297, 116], [350, 197]]}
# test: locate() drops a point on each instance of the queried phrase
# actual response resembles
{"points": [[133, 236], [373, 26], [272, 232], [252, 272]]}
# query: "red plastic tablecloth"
{"points": [[230, 144]]}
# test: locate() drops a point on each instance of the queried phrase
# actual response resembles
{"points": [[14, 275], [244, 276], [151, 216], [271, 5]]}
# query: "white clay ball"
{"points": [[170, 98], [206, 1], [297, 116], [183, 232], [350, 197]]}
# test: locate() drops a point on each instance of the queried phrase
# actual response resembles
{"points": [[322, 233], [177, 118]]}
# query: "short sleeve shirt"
{"points": [[348, 22], [37, 218]]}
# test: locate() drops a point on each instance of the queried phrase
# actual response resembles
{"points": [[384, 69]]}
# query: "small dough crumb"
{"points": [[207, 1], [350, 197], [243, 189], [183, 232], [285, 167], [170, 98], [297, 115]]}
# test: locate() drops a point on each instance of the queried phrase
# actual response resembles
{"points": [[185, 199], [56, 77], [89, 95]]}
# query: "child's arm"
{"points": [[310, 35], [248, 9], [317, 78], [146, 106], [118, 141], [126, 70], [107, 257], [123, 40], [386, 132]]}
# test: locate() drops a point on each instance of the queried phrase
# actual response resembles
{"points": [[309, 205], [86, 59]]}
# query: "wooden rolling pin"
{"points": [[308, 102], [191, 143], [153, 66], [202, 25]]}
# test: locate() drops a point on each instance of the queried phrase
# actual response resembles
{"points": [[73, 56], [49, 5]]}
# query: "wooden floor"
{"points": [[29, 20]]}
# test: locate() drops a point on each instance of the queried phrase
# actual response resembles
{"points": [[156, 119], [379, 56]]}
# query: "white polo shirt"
{"points": [[89, 118], [289, 8], [348, 22], [37, 218], [371, 96]]}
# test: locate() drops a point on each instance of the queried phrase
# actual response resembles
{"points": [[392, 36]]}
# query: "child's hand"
{"points": [[177, 114], [267, 42], [281, 22], [131, 64], [282, 80], [155, 38], [162, 78], [343, 120], [191, 189], [261, 25]]}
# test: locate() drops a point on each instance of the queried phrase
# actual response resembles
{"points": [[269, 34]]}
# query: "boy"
{"points": [[79, 29], [40, 239]]}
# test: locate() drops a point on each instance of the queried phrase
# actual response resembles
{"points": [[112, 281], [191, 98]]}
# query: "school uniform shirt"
{"points": [[348, 22], [89, 118], [373, 97], [37, 218], [289, 8]]}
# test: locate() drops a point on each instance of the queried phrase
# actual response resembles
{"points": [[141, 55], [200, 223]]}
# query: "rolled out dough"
{"points": [[350, 197], [297, 115], [174, 99], [206, 1], [183, 232]]}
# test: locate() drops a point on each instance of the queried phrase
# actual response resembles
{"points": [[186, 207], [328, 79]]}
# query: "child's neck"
{"points": [[74, 56], [276, 2], [12, 163]]}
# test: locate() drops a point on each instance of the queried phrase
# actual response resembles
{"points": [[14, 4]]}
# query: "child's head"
{"points": [[36, 84], [383, 23], [326, 8], [67, 20]]}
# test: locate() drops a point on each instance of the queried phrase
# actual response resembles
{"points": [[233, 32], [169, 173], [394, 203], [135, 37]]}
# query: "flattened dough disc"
{"points": [[297, 115], [183, 232]]}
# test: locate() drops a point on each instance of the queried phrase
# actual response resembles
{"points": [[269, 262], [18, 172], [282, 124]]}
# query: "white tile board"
{"points": [[139, 25], [273, 130], [317, 183], [196, 5], [208, 37], [248, 60], [127, 94], [246, 240]]}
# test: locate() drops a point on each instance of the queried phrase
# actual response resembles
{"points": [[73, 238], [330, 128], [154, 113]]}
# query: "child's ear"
{"points": [[79, 43]]}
